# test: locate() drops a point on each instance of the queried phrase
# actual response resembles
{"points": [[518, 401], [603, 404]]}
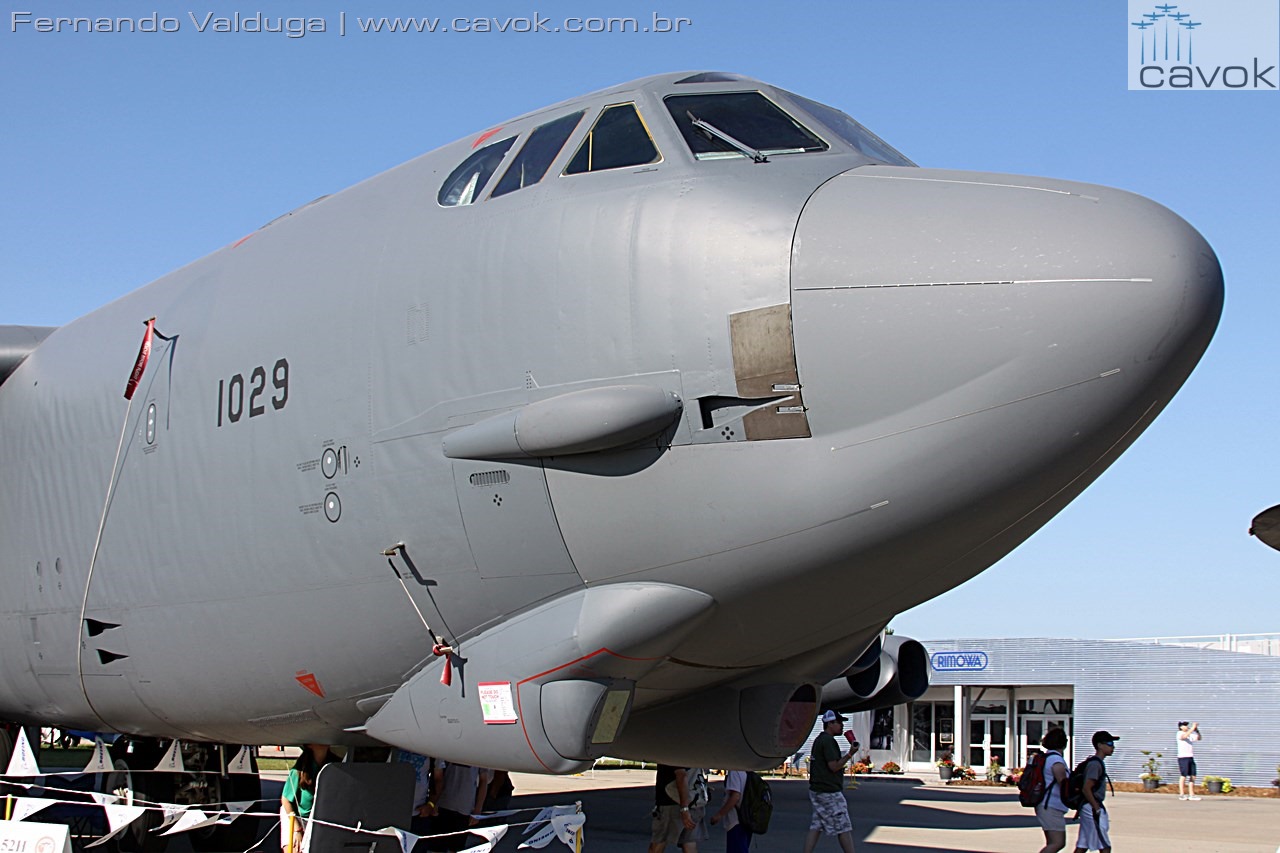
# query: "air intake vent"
{"points": [[109, 657], [490, 478]]}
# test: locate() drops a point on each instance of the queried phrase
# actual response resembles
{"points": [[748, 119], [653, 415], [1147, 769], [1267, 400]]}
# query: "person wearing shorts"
{"points": [[676, 817], [1095, 824], [1188, 733], [1051, 811], [826, 786]]}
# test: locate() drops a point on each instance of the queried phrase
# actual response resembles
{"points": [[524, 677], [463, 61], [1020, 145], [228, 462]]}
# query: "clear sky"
{"points": [[125, 156]]}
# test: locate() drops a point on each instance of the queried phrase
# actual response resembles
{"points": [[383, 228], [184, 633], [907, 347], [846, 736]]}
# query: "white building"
{"points": [[992, 699]]}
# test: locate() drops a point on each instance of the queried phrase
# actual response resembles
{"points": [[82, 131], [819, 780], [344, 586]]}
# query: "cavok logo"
{"points": [[1229, 45]]}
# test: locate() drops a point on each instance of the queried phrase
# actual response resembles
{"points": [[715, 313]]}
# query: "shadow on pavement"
{"points": [[619, 817]]}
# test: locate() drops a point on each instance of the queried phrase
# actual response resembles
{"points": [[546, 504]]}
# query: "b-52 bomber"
{"points": [[623, 427]]}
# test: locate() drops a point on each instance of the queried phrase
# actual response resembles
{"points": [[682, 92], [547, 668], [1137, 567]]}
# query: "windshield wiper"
{"points": [[716, 133]]}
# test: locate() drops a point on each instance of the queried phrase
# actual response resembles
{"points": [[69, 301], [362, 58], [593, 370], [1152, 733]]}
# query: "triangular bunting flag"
{"points": [[118, 817], [568, 826], [406, 838], [24, 807], [539, 839], [172, 761], [243, 762], [539, 818], [104, 839], [23, 762], [492, 834], [546, 814], [118, 820], [110, 835], [171, 814], [100, 761], [103, 799], [234, 810], [191, 819]]}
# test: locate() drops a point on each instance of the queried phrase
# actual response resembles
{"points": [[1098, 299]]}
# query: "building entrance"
{"points": [[987, 741], [1035, 717], [932, 733]]}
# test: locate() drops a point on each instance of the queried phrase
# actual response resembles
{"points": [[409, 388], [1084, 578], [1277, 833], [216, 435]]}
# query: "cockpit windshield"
{"points": [[853, 133], [736, 124]]}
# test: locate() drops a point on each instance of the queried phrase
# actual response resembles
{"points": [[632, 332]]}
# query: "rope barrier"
{"points": [[176, 810]]}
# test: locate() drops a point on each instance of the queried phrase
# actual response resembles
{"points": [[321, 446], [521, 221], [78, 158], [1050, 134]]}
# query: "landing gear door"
{"points": [[509, 521]]}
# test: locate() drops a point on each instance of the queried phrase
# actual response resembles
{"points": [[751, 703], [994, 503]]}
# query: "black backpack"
{"points": [[756, 807], [1073, 788]]}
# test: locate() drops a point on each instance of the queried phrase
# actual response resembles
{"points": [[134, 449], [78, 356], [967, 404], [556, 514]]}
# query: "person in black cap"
{"points": [[1094, 823], [826, 785]]}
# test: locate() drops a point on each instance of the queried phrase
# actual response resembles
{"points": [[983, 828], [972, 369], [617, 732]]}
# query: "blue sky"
{"points": [[126, 156]]}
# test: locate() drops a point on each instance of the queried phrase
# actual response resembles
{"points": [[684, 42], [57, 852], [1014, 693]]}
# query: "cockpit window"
{"points": [[535, 157], [464, 183], [618, 139], [711, 77], [747, 118], [853, 133]]}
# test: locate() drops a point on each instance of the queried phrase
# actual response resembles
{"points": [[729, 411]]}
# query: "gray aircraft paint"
{"points": [[969, 351]]}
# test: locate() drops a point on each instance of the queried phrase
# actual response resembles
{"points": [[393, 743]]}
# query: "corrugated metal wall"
{"points": [[1140, 691]]}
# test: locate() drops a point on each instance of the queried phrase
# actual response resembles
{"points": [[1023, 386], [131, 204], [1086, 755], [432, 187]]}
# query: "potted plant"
{"points": [[890, 767], [964, 771], [1217, 784], [1151, 778], [947, 768], [860, 767], [993, 771]]}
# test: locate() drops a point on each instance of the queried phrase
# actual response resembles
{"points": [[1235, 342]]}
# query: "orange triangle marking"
{"points": [[309, 681]]}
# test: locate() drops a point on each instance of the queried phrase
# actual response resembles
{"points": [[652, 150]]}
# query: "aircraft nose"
{"points": [[921, 296]]}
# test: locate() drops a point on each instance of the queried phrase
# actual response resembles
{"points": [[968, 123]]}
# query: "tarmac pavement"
{"points": [[908, 815]]}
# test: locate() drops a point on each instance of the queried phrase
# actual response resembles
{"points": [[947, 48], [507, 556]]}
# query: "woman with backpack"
{"points": [[1051, 811]]}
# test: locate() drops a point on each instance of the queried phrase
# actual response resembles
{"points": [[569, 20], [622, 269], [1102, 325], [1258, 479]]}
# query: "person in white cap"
{"points": [[1188, 733], [826, 786]]}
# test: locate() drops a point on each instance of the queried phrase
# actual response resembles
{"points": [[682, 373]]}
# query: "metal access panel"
{"points": [[368, 795], [764, 366], [510, 524]]}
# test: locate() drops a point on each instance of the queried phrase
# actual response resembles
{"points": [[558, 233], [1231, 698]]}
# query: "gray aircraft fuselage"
{"points": [[657, 448]]}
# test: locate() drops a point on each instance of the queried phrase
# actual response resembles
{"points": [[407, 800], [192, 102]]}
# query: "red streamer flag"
{"points": [[139, 366]]}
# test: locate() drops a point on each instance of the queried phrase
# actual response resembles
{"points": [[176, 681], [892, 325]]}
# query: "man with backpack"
{"points": [[747, 809], [1094, 824], [1050, 810]]}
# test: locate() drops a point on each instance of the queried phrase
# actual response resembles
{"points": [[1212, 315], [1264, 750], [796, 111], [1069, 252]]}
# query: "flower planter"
{"points": [[1214, 786], [1150, 784], [944, 773]]}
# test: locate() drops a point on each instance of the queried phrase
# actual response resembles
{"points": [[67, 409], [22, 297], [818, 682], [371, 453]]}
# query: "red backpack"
{"points": [[1032, 790]]}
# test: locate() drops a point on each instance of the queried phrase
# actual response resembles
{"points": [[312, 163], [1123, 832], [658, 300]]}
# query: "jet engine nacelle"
{"points": [[547, 691], [899, 673], [739, 727]]}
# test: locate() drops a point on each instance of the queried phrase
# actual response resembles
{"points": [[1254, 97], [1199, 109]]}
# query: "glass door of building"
{"points": [[987, 741], [1033, 729], [931, 730]]}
